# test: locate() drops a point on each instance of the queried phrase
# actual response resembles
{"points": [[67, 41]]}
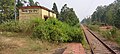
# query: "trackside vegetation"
{"points": [[51, 30], [109, 34]]}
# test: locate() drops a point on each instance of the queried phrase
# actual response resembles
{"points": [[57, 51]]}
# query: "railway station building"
{"points": [[29, 12]]}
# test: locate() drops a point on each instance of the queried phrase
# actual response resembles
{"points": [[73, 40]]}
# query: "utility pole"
{"points": [[15, 9]]}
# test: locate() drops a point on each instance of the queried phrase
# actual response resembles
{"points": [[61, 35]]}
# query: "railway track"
{"points": [[96, 45]]}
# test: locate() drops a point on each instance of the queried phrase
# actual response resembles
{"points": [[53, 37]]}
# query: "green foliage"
{"points": [[77, 25], [68, 16], [109, 15], [76, 34], [117, 19], [55, 9], [56, 31], [51, 30], [32, 3], [22, 26], [10, 26], [94, 27], [100, 15], [118, 40], [86, 21], [107, 35], [110, 34], [113, 34], [6, 9], [19, 3]]}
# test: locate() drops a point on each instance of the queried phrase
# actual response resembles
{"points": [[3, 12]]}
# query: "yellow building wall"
{"points": [[54, 15], [44, 12], [28, 15], [39, 14], [51, 14]]}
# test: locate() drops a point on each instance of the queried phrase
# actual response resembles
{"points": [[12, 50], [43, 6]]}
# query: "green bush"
{"points": [[21, 26], [51, 30], [10, 26], [113, 32], [77, 25], [110, 34], [118, 40], [106, 34], [77, 36], [113, 35], [54, 30]]}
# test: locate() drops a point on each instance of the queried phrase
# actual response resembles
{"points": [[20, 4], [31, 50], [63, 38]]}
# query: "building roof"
{"points": [[34, 7]]}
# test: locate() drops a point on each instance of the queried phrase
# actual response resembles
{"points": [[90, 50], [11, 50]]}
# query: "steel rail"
{"points": [[111, 50]]}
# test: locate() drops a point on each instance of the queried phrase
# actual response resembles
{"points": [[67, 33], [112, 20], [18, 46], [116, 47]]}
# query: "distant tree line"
{"points": [[109, 15]]}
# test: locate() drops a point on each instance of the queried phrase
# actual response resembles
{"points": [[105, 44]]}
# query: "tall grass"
{"points": [[93, 27], [113, 35]]}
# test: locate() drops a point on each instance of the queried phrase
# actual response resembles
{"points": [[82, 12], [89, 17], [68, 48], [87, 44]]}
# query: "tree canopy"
{"points": [[107, 14], [68, 15], [55, 9], [32, 3], [6, 9]]}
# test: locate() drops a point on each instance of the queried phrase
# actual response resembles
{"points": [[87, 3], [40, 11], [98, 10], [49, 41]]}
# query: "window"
{"points": [[30, 11], [24, 10]]}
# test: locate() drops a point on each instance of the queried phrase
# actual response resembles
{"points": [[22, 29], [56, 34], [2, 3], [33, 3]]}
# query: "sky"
{"points": [[83, 8]]}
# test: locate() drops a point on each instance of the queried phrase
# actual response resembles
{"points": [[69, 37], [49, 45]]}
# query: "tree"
{"points": [[31, 3], [7, 9], [99, 14], [117, 19], [19, 3], [37, 4], [68, 15], [117, 0], [86, 20], [109, 15], [55, 9]]}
